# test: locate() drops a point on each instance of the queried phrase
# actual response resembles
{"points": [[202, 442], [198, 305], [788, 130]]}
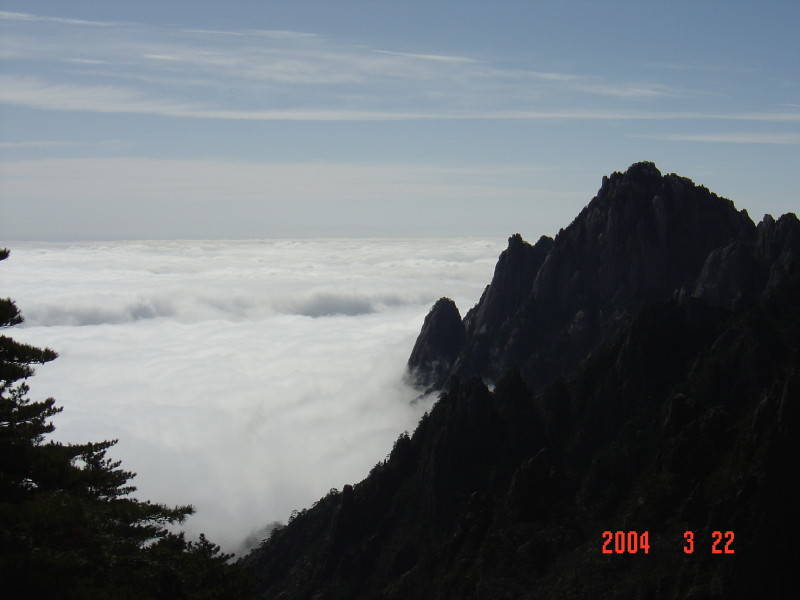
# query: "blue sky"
{"points": [[260, 119]]}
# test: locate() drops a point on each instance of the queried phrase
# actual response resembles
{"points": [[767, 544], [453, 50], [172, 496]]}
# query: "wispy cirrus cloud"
{"points": [[625, 91], [32, 92], [279, 34], [707, 68], [38, 93], [433, 57], [18, 16], [280, 75], [25, 144], [289, 67], [86, 61], [729, 138], [51, 144]]}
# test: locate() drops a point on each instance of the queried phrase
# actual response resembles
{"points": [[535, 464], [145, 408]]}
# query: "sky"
{"points": [[154, 120]]}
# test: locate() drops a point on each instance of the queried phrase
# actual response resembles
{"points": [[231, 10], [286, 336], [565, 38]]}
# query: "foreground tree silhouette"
{"points": [[68, 528]]}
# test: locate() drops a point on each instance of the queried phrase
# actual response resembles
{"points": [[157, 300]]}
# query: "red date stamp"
{"points": [[636, 542], [626, 542]]}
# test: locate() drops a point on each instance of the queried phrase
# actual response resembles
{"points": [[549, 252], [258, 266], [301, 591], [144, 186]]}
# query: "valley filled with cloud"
{"points": [[246, 377]]}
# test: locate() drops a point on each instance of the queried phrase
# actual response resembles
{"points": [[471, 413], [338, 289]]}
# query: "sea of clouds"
{"points": [[244, 377]]}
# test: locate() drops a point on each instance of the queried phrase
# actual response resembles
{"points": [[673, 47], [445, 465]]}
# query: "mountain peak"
{"points": [[644, 171], [645, 237], [516, 240], [642, 174], [438, 344]]}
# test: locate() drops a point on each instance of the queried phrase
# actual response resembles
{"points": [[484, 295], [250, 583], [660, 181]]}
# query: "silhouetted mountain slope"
{"points": [[643, 238], [673, 410]]}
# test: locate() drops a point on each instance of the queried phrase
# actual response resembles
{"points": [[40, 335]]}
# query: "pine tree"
{"points": [[68, 526]]}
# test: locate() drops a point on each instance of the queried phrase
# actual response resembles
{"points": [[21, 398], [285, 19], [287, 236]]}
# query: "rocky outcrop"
{"points": [[743, 270], [438, 345], [510, 287], [645, 237], [511, 284]]}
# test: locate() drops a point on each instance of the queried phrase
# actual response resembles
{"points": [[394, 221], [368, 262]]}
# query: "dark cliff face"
{"points": [[644, 238], [438, 345], [495, 313], [671, 405], [739, 272]]}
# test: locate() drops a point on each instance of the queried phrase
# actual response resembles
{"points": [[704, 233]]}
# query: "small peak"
{"points": [[516, 245], [544, 242], [437, 346], [444, 304], [788, 219], [787, 228], [515, 240], [786, 224], [642, 171]]}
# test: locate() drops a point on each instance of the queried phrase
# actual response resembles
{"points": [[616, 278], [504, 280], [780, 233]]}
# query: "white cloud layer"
{"points": [[247, 378]]}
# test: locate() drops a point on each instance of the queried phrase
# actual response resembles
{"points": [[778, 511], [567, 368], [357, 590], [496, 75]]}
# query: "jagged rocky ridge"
{"points": [[671, 404], [644, 238]]}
